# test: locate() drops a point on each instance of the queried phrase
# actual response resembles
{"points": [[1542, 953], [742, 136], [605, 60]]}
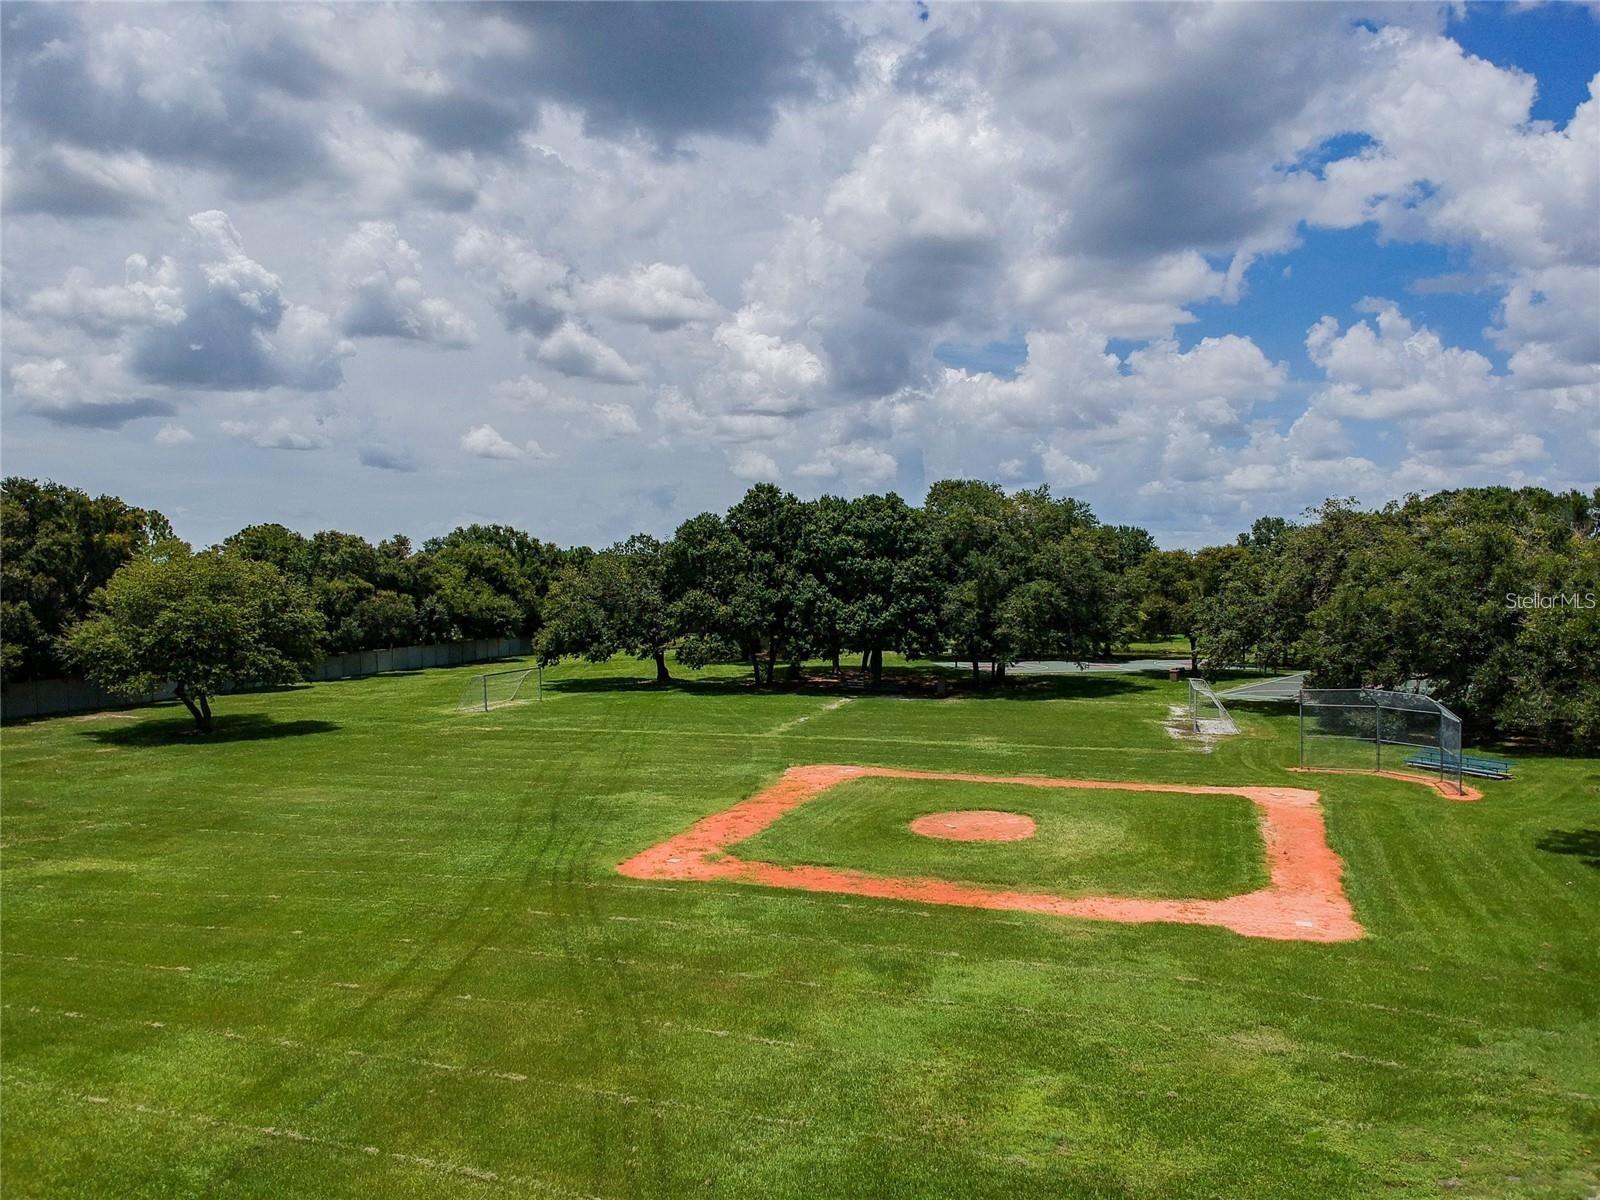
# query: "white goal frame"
{"points": [[493, 689], [1207, 714]]}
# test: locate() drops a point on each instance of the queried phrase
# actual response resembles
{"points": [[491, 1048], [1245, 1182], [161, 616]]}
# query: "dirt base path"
{"points": [[1467, 795], [1304, 901]]}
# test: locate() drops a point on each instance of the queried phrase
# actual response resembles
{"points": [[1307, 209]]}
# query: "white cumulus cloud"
{"points": [[573, 350], [379, 275], [484, 441], [660, 296]]}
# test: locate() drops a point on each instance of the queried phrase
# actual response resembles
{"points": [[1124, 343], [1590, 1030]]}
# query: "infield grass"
{"points": [[357, 944], [1088, 843]]}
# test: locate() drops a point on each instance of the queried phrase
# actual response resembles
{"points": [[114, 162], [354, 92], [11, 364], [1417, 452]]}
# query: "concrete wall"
{"points": [[55, 697]]}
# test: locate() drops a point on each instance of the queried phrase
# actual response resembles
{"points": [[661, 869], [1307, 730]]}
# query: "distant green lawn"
{"points": [[1088, 843], [1171, 647], [357, 944]]}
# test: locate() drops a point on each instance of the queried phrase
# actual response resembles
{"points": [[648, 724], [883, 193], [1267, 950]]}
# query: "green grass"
{"points": [[1088, 843], [356, 944], [1170, 647]]}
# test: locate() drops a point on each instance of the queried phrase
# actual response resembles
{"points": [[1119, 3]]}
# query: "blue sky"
{"points": [[1555, 43], [592, 270]]}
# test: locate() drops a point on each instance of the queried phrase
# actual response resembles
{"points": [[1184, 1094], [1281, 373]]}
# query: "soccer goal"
{"points": [[1207, 715], [496, 688]]}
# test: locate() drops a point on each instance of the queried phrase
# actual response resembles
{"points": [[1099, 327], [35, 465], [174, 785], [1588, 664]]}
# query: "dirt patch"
{"points": [[829, 707], [976, 825], [1181, 726], [1304, 901]]}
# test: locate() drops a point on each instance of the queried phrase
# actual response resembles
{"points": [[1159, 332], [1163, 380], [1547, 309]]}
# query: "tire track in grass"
{"points": [[78, 828], [744, 932], [627, 1031], [1051, 1016], [290, 1136], [595, 917], [497, 1074], [389, 985], [739, 897], [509, 1076], [611, 1095], [718, 924]]}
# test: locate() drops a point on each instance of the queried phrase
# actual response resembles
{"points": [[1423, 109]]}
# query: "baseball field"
{"points": [[636, 941]]}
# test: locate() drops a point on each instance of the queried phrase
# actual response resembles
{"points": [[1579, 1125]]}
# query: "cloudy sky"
{"points": [[592, 269]]}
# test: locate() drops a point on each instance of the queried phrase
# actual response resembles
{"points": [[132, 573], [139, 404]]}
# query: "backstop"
{"points": [[1368, 729]]}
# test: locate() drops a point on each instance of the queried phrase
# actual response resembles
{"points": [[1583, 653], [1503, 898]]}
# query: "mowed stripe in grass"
{"points": [[389, 910]]}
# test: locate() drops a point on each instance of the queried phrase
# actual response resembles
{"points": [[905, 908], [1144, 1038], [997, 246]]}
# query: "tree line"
{"points": [[1487, 594], [975, 573], [58, 546]]}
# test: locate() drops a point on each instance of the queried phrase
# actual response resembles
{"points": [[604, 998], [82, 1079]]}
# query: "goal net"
{"points": [[1206, 713], [496, 688]]}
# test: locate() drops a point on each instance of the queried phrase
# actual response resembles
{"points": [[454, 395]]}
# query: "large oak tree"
{"points": [[203, 622]]}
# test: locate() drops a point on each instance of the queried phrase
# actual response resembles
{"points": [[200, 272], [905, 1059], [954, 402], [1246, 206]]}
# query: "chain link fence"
{"points": [[1368, 729]]}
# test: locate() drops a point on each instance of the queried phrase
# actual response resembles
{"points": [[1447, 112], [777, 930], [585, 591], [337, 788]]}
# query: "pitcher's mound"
{"points": [[975, 825]]}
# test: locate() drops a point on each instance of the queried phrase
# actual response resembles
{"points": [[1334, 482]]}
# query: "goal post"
{"points": [[1207, 714], [496, 688]]}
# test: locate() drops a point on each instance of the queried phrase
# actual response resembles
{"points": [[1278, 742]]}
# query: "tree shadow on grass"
{"points": [[229, 727], [1582, 844], [901, 682]]}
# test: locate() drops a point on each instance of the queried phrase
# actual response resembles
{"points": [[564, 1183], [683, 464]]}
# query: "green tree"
{"points": [[383, 619], [616, 602], [828, 554], [536, 561], [1265, 533], [1066, 606], [765, 604], [888, 580], [336, 555], [981, 551], [201, 621], [1231, 621], [704, 566], [1164, 589], [475, 590], [57, 546], [1551, 686], [1131, 545], [367, 594], [277, 544]]}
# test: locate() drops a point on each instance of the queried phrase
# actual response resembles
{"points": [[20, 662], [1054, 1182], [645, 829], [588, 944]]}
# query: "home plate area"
{"points": [[1278, 879]]}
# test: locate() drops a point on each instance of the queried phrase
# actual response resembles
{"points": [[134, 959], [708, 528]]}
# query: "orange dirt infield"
{"points": [[976, 825], [1304, 901], [1466, 795]]}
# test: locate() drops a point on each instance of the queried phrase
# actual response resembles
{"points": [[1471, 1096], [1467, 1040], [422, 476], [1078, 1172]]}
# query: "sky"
{"points": [[590, 270]]}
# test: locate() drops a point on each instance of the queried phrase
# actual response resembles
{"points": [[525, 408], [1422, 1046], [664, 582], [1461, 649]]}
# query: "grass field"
{"points": [[356, 943]]}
